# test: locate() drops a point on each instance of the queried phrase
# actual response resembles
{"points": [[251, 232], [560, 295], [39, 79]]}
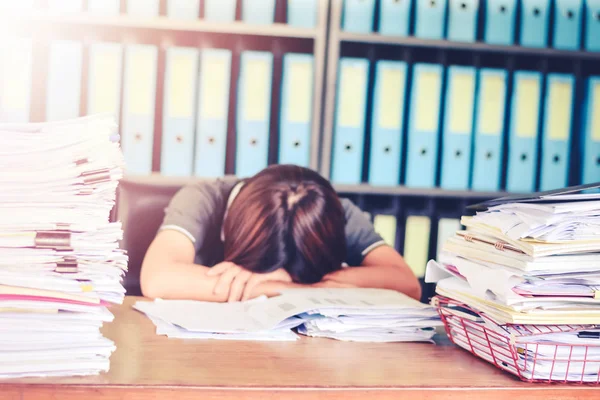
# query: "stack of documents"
{"points": [[368, 315], [60, 262], [534, 264]]}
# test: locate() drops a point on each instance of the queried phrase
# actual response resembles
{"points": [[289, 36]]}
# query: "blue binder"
{"points": [[458, 128], [568, 18], [535, 18], [394, 17], [177, 151], [213, 111], [219, 10], [424, 125], [592, 25], [489, 129], [358, 16], [143, 8], [500, 22], [524, 129], [65, 6], [260, 12], [350, 119], [295, 120], [558, 122], [302, 13], [462, 20], [253, 112], [104, 83], [15, 79], [430, 19], [64, 80], [387, 123], [591, 131], [139, 94], [104, 7], [185, 9]]}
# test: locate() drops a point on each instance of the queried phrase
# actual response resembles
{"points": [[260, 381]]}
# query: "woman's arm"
{"points": [[383, 267]]}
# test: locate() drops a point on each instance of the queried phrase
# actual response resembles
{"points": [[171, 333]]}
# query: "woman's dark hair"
{"points": [[286, 217]]}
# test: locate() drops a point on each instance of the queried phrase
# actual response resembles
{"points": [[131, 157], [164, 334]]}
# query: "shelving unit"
{"points": [[162, 31]]}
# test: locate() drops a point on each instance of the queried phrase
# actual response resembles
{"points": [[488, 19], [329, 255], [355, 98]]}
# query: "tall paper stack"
{"points": [[60, 262], [532, 271]]}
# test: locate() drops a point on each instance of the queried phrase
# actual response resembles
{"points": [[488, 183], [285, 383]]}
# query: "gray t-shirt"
{"points": [[198, 210]]}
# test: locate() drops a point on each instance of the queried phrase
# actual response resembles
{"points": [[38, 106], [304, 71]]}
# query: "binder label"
{"points": [[596, 113], [462, 103], [299, 97], [390, 101], [416, 243], [213, 103], [256, 97], [139, 78], [428, 101], [560, 110], [106, 88], [353, 94], [492, 105], [528, 106], [385, 225], [181, 91]]}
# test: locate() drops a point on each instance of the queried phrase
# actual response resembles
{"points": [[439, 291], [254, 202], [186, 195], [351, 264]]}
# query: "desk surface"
{"points": [[145, 364]]}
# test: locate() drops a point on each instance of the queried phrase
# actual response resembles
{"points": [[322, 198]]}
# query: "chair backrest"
{"points": [[140, 207]]}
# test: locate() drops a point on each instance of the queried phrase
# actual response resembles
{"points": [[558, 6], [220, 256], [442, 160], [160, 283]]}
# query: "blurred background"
{"points": [[414, 109]]}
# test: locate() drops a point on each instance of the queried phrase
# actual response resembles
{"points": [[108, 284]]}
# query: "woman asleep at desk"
{"points": [[285, 227]]}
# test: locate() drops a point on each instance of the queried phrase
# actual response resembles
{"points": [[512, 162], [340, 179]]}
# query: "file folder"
{"points": [[350, 119], [385, 226], [219, 10], [143, 8], [591, 131], [462, 20], [358, 16], [387, 123], [592, 25], [295, 121], [500, 22], [447, 227], [524, 128], [302, 13], [186, 9], [141, 63], [458, 128], [568, 19], [430, 19], [177, 151], [556, 139], [394, 17], [423, 126], [15, 79], [63, 91], [253, 112], [416, 243], [535, 18], [260, 12], [213, 112], [489, 129], [104, 7], [104, 82], [65, 6]]}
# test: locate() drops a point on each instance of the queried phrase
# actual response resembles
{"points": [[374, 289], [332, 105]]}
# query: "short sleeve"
{"points": [[361, 237], [192, 211]]}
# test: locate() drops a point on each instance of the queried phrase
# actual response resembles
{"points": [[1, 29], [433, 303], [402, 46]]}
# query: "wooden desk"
{"points": [[149, 366]]}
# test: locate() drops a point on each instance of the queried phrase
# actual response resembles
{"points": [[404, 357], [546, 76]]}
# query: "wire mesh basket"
{"points": [[534, 353]]}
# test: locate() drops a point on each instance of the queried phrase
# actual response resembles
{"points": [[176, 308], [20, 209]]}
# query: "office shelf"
{"points": [[375, 38], [414, 192]]}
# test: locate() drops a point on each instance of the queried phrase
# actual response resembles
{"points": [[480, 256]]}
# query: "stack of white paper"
{"points": [[535, 265], [346, 314], [60, 263]]}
